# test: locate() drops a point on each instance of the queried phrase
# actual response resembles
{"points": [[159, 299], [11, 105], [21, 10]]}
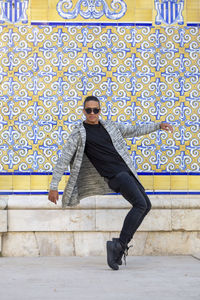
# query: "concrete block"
{"points": [[94, 243], [138, 242], [111, 201], [112, 220], [185, 202], [161, 243], [186, 219], [117, 201], [161, 201], [55, 243], [106, 201], [157, 220], [90, 243], [42, 202], [3, 220], [158, 201], [51, 220], [19, 244], [32, 202]]}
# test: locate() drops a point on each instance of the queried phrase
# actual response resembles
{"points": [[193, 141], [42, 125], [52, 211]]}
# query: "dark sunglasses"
{"points": [[94, 110]]}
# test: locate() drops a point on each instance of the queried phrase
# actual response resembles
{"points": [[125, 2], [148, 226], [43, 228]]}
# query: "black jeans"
{"points": [[129, 187]]}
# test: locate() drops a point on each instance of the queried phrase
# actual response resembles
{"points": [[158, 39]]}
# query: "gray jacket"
{"points": [[84, 179]]}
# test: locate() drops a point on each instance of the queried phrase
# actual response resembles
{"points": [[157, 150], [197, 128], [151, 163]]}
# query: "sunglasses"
{"points": [[94, 110]]}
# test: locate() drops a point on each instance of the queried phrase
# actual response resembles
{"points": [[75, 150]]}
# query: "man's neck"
{"points": [[90, 123]]}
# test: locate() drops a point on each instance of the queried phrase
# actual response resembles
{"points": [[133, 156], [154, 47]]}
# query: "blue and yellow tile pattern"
{"points": [[141, 58]]}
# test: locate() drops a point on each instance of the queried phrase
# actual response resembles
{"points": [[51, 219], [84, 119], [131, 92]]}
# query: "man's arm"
{"points": [[129, 131], [67, 153]]}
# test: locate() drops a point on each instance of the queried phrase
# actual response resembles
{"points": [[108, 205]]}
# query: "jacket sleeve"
{"points": [[63, 162], [129, 131]]}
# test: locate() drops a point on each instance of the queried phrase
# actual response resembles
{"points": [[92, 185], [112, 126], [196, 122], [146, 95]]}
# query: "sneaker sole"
{"points": [[109, 246]]}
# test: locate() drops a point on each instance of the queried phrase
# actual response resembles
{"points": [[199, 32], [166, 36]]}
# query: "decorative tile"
{"points": [[43, 99], [169, 12], [14, 12], [140, 73]]}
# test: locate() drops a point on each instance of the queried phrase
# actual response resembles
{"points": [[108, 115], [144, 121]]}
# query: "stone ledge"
{"points": [[51, 220], [82, 220], [186, 219], [97, 220], [112, 220], [92, 243], [101, 202]]}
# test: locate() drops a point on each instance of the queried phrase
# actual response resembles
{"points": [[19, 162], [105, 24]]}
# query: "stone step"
{"points": [[94, 243]]}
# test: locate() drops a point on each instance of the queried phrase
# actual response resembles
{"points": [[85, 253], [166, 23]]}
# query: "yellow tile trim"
{"points": [[193, 4], [6, 182], [161, 182], [193, 15], [150, 182], [147, 181], [39, 182], [179, 182], [194, 183], [21, 182]]}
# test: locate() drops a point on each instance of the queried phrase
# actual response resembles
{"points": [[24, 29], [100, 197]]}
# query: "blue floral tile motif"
{"points": [[169, 12], [92, 9], [140, 74], [13, 11]]}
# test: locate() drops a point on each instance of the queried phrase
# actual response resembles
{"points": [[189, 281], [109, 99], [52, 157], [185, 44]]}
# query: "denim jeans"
{"points": [[129, 187]]}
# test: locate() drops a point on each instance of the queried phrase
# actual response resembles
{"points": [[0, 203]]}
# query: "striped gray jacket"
{"points": [[84, 180]]}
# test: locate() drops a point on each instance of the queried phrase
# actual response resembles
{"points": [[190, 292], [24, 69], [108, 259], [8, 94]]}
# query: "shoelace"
{"points": [[126, 253]]}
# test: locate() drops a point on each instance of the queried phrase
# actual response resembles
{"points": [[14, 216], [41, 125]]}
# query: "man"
{"points": [[100, 163]]}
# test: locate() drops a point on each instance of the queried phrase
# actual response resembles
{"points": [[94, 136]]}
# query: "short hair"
{"points": [[91, 98]]}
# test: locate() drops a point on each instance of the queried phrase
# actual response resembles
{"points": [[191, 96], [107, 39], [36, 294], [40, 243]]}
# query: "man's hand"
{"points": [[53, 196], [167, 127]]}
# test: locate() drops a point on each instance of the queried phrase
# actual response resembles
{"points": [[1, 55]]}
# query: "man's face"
{"points": [[91, 116]]}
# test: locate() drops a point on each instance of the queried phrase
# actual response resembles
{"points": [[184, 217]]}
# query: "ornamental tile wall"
{"points": [[52, 56]]}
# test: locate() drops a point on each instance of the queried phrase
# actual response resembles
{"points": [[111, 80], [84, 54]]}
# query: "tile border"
{"points": [[60, 193]]}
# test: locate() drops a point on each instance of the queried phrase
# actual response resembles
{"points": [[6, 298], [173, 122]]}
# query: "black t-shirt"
{"points": [[101, 152]]}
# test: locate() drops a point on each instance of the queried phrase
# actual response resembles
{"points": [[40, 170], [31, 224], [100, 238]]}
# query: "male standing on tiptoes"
{"points": [[100, 163]]}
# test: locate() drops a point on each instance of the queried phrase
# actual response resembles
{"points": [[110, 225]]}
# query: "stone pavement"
{"points": [[144, 277]]}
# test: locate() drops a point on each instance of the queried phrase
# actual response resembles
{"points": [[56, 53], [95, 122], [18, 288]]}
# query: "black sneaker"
{"points": [[114, 250], [119, 258], [122, 253]]}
